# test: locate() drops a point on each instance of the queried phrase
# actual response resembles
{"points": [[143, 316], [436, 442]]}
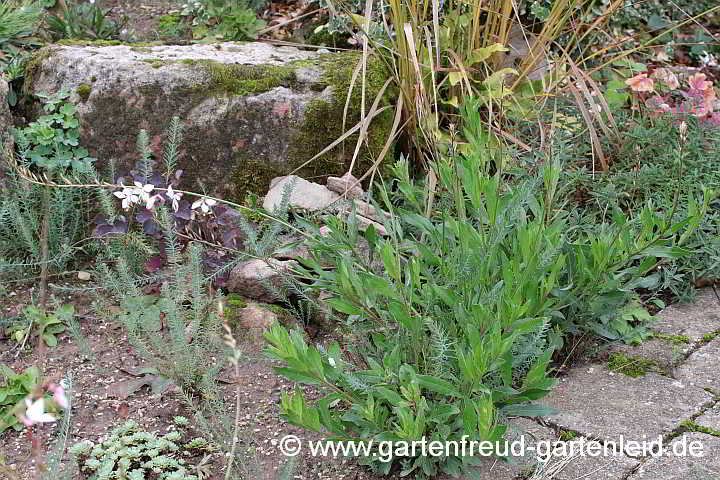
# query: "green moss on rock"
{"points": [[244, 80], [32, 67], [673, 339], [83, 90], [633, 366], [324, 122], [74, 42]]}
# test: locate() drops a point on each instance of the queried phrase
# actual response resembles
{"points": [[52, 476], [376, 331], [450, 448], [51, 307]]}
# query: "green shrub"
{"points": [[177, 332], [48, 147], [651, 165], [631, 15], [456, 313]]}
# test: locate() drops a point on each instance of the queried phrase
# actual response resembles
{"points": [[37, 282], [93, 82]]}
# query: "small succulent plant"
{"points": [[134, 454]]}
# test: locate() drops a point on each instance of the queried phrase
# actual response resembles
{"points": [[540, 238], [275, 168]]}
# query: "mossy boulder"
{"points": [[5, 119], [251, 111]]}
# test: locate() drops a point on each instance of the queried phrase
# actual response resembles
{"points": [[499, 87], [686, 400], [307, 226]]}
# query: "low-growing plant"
{"points": [[13, 389], [19, 21], [173, 25], [135, 454], [226, 20], [85, 20], [178, 331], [40, 325], [655, 164]]}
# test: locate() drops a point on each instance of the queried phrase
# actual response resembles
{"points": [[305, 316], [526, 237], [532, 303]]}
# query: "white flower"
{"points": [[174, 196], [136, 194], [143, 191], [35, 412], [151, 201], [205, 204], [128, 195], [331, 361]]}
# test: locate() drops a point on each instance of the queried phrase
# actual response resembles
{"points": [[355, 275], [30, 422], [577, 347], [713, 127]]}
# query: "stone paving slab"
{"points": [[664, 354], [710, 419], [674, 467], [702, 368], [585, 467], [600, 404], [691, 319]]}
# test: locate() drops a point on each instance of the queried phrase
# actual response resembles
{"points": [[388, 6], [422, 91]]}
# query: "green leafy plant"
{"points": [[456, 313], [45, 219], [132, 453], [52, 141], [19, 21], [85, 20], [173, 25], [227, 20], [654, 164], [41, 325], [13, 389], [178, 331]]}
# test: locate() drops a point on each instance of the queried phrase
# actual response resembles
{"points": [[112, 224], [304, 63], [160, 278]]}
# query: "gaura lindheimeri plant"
{"points": [[33, 408], [663, 93]]}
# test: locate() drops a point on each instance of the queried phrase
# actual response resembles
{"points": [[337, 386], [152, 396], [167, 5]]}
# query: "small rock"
{"points": [[364, 223], [256, 279], [255, 316], [367, 210], [347, 186], [305, 195], [84, 276]]}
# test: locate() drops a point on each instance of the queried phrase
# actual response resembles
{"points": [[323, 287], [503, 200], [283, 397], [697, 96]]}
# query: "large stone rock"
{"points": [[252, 111], [5, 121]]}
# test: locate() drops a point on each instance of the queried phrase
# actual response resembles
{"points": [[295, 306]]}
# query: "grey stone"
{"points": [[364, 223], [346, 186], [692, 320], [257, 279], [253, 320], [702, 368], [367, 210], [672, 466], [711, 418], [601, 404], [5, 121], [666, 355], [538, 440], [252, 111], [303, 194]]}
